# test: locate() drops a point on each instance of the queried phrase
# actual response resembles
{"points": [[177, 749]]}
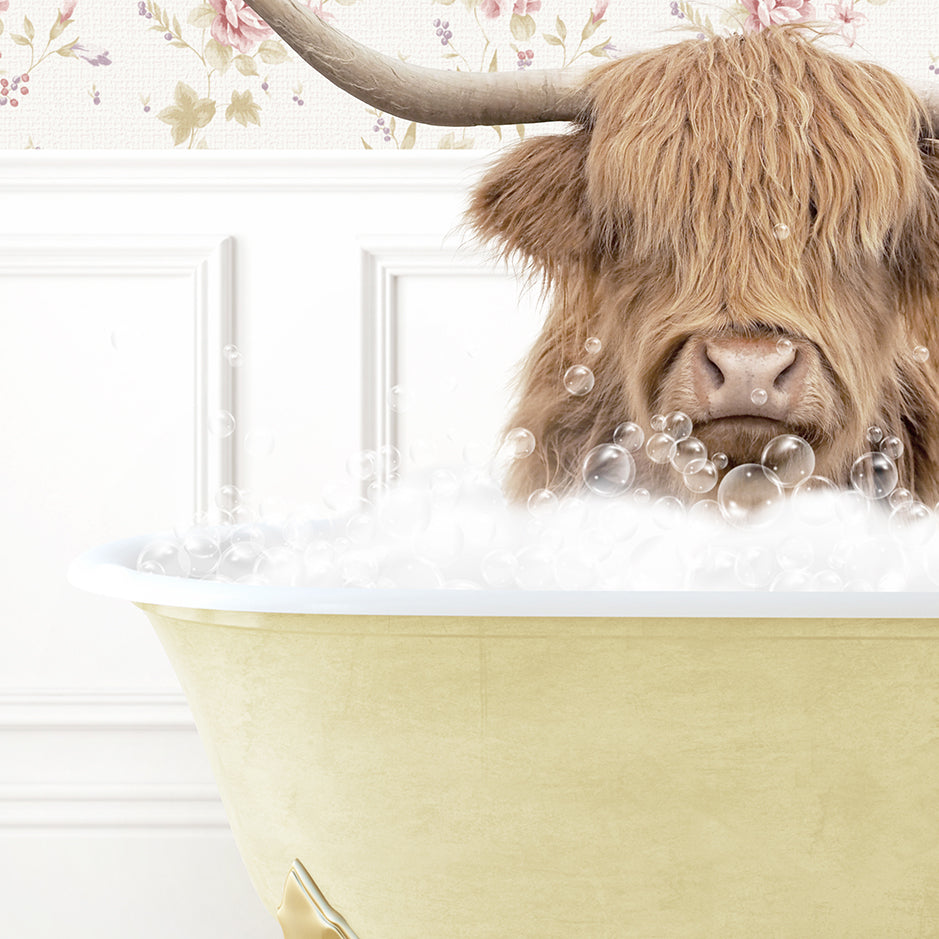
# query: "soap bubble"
{"points": [[248, 534], [668, 512], [642, 496], [893, 447], [792, 580], [259, 442], [678, 425], [222, 423], [755, 566], [593, 345], [874, 475], [444, 487], [920, 353], [660, 448], [781, 231], [790, 458], [608, 470], [759, 396], [795, 553], [303, 527], [874, 434], [899, 497], [441, 543], [690, 455], [360, 528], [389, 460], [362, 465], [703, 479], [705, 510], [233, 356], [498, 568], [784, 346], [813, 500], [227, 497], [579, 380], [542, 503], [239, 559], [404, 511], [164, 556], [720, 460], [750, 497], [826, 580], [658, 422], [574, 570], [517, 444], [408, 573], [203, 550], [398, 398], [535, 570], [912, 522], [629, 435], [357, 568]]}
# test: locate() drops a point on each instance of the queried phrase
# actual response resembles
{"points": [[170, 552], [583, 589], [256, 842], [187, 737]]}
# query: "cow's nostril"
{"points": [[714, 375], [787, 374]]}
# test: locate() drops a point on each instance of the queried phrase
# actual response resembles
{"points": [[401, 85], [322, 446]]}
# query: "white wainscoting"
{"points": [[339, 276]]}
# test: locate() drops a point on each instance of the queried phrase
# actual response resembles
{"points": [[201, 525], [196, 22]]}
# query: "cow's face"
{"points": [[751, 227]]}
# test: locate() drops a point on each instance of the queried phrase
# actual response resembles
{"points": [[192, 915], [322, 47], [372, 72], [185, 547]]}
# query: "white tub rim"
{"points": [[109, 570]]}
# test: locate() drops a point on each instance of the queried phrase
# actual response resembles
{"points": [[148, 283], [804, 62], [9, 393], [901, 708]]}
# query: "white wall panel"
{"points": [[122, 275]]}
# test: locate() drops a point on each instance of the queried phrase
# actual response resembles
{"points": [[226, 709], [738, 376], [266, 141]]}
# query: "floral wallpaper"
{"points": [[193, 74]]}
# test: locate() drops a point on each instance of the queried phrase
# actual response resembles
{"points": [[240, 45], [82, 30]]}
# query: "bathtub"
{"points": [[450, 764]]}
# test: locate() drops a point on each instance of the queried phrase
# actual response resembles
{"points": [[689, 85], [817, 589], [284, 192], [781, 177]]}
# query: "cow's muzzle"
{"points": [[742, 376]]}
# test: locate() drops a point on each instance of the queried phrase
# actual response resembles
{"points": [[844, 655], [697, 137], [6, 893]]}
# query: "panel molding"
{"points": [[384, 261], [207, 260], [60, 717]]}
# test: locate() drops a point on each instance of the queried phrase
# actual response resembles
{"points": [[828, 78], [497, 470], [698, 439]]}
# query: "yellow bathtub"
{"points": [[456, 764]]}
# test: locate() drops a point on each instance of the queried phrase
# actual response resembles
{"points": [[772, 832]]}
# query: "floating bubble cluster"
{"points": [[769, 525]]}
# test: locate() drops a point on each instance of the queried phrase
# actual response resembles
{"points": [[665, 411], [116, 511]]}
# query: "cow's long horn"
{"points": [[415, 93]]}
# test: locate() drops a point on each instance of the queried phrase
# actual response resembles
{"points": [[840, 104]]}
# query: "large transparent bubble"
{"points": [[608, 470], [750, 497]]}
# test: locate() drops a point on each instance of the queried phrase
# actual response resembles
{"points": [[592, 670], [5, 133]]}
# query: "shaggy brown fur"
{"points": [[652, 221]]}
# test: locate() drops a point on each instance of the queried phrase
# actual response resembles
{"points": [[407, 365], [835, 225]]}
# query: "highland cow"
{"points": [[711, 198]]}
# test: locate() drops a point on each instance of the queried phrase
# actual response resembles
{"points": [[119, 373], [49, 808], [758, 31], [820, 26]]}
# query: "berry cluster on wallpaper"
{"points": [[210, 74]]}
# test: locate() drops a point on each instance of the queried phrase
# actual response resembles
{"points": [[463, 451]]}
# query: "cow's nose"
{"points": [[740, 375]]}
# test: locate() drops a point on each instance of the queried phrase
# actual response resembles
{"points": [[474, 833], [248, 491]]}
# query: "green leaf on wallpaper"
{"points": [[272, 52], [189, 113], [245, 65], [498, 131], [58, 27], [177, 29], [443, 3], [494, 64], [202, 17], [471, 4], [218, 56], [600, 51], [20, 40], [1, 27], [561, 28], [523, 27], [346, 3], [410, 137], [179, 44], [391, 127], [552, 40], [367, 145], [446, 141], [243, 109], [28, 28], [520, 130], [591, 27], [66, 50]]}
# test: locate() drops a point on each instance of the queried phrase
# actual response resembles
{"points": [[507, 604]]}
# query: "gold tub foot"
{"points": [[304, 913]]}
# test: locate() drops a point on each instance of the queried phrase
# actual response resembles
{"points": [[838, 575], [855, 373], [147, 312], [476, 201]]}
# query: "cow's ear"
{"points": [[533, 201]]}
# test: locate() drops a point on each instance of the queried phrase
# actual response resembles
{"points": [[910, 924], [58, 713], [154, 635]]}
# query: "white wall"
{"points": [[122, 276]]}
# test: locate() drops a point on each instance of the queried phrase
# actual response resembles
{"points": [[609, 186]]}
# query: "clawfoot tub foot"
{"points": [[304, 912]]}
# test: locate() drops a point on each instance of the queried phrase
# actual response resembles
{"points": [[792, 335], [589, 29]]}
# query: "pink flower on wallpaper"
{"points": [[237, 25], [843, 13], [491, 8], [494, 8], [599, 10], [4, 5], [765, 13], [68, 8], [524, 7]]}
